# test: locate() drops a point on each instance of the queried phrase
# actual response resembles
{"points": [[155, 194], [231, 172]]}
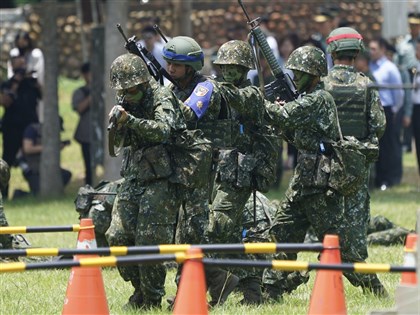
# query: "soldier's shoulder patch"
{"points": [[199, 99]]}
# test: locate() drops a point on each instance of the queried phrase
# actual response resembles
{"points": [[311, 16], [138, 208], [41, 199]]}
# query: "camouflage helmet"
{"points": [[344, 38], [4, 174], [235, 52], [128, 70], [184, 50], [308, 59]]}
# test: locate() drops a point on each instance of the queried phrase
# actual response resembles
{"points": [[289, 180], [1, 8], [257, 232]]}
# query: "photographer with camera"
{"points": [[20, 96], [32, 148]]}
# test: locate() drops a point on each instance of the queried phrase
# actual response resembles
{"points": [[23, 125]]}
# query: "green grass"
{"points": [[43, 292]]}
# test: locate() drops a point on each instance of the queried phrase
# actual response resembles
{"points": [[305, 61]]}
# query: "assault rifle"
{"points": [[155, 68], [282, 87]]}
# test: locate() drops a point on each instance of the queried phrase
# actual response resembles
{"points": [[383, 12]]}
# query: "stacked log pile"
{"points": [[213, 23]]}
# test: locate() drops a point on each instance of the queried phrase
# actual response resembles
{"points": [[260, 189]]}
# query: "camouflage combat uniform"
{"points": [[5, 239], [311, 120], [259, 232], [146, 206], [194, 212], [360, 115], [246, 167], [200, 102], [96, 204], [381, 231]]}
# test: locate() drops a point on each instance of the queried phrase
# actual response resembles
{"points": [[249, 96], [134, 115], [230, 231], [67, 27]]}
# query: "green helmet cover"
{"points": [[4, 173], [235, 52], [308, 59], [128, 70], [345, 39], [184, 50]]}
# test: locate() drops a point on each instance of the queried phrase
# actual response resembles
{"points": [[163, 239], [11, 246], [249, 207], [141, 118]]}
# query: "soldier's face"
{"points": [[233, 73], [302, 80], [132, 95], [177, 71]]}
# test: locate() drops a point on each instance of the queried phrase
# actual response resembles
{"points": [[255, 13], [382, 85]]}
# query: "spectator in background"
{"points": [[19, 95], [32, 148], [403, 115], [386, 72], [415, 118], [406, 61], [362, 64], [81, 102], [153, 43], [325, 22], [34, 59]]}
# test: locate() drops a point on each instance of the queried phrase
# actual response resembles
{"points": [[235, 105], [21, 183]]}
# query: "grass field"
{"points": [[43, 292]]}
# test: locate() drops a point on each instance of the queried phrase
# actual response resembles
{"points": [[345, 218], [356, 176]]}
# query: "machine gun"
{"points": [[153, 66], [282, 87]]}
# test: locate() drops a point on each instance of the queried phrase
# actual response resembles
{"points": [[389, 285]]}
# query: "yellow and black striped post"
{"points": [[286, 265], [247, 248], [42, 229]]}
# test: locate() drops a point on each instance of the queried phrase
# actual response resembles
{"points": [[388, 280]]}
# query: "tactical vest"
{"points": [[351, 102], [223, 132]]}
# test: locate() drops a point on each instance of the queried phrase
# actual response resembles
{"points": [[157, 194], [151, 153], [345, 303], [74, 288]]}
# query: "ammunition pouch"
{"points": [[314, 169], [147, 164]]}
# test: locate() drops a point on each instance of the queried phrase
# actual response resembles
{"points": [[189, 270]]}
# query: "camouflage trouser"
{"points": [[357, 216], [144, 215], [381, 231], [324, 211], [5, 239], [225, 223], [193, 216]]}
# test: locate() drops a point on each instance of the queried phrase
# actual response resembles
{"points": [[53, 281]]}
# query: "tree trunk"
{"points": [[116, 12], [97, 111], [51, 182], [182, 20]]}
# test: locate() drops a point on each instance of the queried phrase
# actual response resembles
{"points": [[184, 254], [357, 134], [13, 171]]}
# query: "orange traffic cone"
{"points": [[410, 278], [328, 292], [85, 291], [191, 295]]}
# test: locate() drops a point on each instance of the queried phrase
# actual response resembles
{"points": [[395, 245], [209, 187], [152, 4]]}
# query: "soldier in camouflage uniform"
{"points": [[309, 121], [259, 232], [146, 206], [360, 115], [200, 102], [381, 231], [96, 203], [5, 239], [251, 162]]}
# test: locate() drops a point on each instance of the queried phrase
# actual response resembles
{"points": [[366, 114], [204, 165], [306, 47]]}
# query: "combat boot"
{"points": [[135, 301], [272, 293], [220, 285], [252, 291]]}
